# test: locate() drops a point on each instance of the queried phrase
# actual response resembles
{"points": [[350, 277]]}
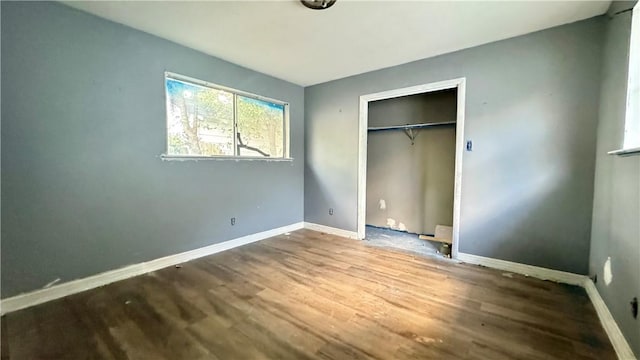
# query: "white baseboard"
{"points": [[331, 230], [72, 287], [33, 298], [529, 270], [609, 324]]}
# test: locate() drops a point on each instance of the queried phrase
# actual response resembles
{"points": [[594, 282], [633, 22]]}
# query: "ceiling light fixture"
{"points": [[318, 4]]}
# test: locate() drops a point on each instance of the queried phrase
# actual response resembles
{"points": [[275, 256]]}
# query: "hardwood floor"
{"points": [[313, 296]]}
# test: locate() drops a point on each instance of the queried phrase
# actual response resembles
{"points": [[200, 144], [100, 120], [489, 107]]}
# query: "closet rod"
{"points": [[412, 126]]}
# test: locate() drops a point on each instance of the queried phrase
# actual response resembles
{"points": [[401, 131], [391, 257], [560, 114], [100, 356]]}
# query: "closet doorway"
{"points": [[410, 145]]}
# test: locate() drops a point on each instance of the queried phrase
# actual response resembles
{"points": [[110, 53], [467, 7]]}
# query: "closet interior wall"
{"points": [[410, 187]]}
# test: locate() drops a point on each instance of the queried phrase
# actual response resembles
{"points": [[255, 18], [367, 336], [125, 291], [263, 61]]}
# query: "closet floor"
{"points": [[387, 238]]}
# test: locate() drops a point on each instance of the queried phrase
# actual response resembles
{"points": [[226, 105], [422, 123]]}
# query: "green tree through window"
{"points": [[203, 120]]}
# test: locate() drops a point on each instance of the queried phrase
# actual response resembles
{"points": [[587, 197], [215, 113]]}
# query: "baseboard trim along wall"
{"points": [[331, 230], [72, 287], [620, 344], [22, 301], [528, 270]]}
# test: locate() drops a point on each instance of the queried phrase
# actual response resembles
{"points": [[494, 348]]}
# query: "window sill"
{"points": [[165, 157], [626, 152]]}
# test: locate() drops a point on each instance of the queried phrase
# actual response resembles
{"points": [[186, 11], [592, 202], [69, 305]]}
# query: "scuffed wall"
{"points": [[615, 236]]}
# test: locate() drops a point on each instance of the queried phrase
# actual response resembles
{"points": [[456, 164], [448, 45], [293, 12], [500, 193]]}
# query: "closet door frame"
{"points": [[458, 84]]}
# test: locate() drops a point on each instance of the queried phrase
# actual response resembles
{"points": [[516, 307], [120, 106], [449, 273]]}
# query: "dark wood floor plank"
{"points": [[4, 341], [107, 346], [309, 295]]}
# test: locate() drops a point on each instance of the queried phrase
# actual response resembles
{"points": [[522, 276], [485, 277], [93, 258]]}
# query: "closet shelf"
{"points": [[410, 130]]}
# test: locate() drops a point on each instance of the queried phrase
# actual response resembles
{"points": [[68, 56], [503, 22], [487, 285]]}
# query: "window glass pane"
{"points": [[260, 128], [632, 122], [199, 119]]}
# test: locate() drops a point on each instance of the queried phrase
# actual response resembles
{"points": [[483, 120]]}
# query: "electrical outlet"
{"points": [[330, 211], [634, 307], [233, 221], [469, 145]]}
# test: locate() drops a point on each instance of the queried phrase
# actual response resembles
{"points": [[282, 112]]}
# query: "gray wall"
{"points": [[531, 110], [83, 187], [415, 181], [616, 205]]}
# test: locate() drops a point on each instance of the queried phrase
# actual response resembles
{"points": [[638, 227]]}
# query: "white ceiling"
{"points": [[286, 40]]}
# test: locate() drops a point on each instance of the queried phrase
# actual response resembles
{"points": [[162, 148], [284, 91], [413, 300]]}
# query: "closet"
{"points": [[411, 163]]}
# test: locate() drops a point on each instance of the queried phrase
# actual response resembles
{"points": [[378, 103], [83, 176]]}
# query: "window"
{"points": [[632, 121], [207, 120]]}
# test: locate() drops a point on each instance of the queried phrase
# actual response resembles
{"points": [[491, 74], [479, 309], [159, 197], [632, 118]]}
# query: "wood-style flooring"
{"points": [[309, 295]]}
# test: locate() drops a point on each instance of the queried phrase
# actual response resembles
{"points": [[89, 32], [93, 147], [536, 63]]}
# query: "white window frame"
{"points": [[286, 156], [631, 139]]}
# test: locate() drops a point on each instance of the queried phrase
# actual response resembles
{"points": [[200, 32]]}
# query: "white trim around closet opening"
{"points": [[458, 84]]}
